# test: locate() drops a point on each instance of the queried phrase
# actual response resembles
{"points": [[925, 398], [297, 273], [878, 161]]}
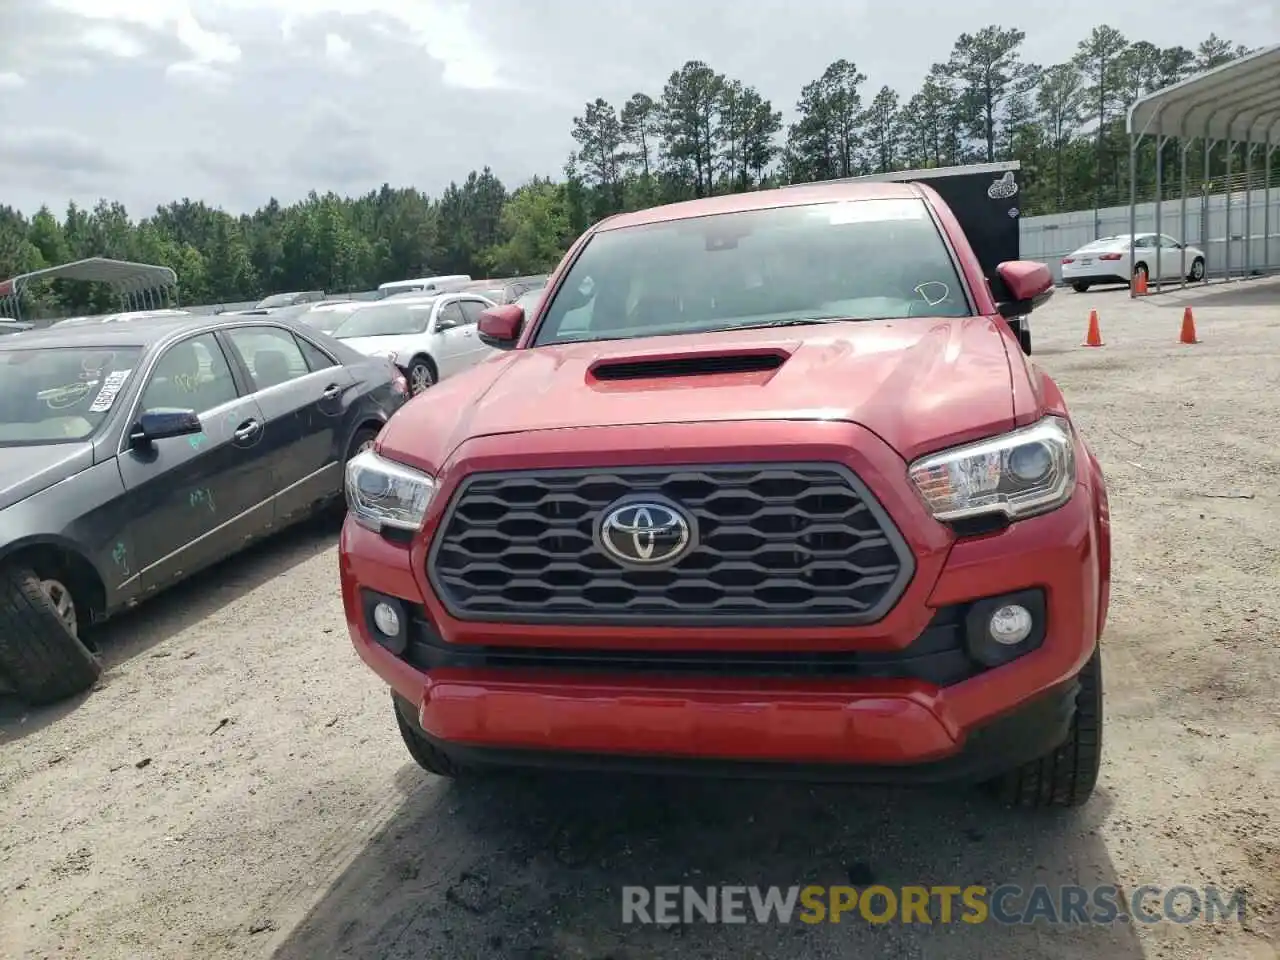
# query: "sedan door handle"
{"points": [[247, 431], [331, 392]]}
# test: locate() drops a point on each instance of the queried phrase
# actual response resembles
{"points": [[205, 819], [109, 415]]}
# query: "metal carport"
{"points": [[139, 286], [1237, 104]]}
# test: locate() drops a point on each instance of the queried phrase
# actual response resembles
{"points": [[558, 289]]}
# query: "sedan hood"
{"points": [[381, 346], [25, 471], [920, 384]]}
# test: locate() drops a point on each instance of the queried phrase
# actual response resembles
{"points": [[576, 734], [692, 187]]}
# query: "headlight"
{"points": [[389, 354], [1028, 471], [383, 493]]}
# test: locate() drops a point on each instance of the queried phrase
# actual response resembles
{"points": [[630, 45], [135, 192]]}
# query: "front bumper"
{"points": [[567, 715]]}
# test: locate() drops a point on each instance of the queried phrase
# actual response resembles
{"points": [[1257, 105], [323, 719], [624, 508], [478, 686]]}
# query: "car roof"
{"points": [[763, 200], [142, 332]]}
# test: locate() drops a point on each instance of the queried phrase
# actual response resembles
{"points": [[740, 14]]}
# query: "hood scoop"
{"points": [[708, 364]]}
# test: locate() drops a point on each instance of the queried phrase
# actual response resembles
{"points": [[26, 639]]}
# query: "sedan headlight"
{"points": [[383, 493], [1019, 474], [389, 354]]}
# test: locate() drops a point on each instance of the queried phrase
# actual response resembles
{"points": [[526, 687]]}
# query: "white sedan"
{"points": [[428, 337], [1156, 256]]}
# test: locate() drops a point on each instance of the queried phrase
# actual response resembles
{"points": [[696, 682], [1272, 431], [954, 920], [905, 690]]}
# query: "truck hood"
{"points": [[920, 384], [25, 471]]}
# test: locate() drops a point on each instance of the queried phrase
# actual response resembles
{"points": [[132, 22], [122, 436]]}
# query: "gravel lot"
{"points": [[236, 787]]}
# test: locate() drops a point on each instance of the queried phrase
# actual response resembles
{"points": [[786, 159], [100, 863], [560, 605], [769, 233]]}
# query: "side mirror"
{"points": [[500, 326], [1027, 284], [161, 424]]}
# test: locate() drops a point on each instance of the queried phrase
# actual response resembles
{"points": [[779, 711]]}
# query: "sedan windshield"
{"points": [[859, 260], [391, 320], [59, 394]]}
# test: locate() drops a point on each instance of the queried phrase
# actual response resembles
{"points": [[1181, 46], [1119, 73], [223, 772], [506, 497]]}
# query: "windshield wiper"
{"points": [[796, 322]]}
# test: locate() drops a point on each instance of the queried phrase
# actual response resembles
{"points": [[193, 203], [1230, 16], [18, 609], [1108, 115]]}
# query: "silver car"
{"points": [[428, 337]]}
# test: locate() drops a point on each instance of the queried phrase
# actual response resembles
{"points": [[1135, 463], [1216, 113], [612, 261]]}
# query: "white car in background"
{"points": [[428, 337], [1155, 256]]}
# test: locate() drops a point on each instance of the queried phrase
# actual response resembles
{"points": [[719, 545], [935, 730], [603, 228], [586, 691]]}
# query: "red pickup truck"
{"points": [[765, 485]]}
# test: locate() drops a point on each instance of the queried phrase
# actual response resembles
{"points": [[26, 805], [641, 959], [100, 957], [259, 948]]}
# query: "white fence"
{"points": [[1050, 238]]}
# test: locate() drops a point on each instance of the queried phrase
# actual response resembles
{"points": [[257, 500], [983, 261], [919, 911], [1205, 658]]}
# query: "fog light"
{"points": [[387, 619], [1010, 624]]}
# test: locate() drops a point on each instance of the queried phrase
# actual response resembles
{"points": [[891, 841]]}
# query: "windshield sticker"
{"points": [[59, 398], [110, 388], [1004, 188], [872, 211]]}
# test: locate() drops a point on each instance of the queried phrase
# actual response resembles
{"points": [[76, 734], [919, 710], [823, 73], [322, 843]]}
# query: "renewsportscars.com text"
{"points": [[1006, 904]]}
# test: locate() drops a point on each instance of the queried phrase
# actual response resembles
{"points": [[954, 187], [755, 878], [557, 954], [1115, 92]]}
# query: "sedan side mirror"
{"points": [[500, 326], [161, 424]]}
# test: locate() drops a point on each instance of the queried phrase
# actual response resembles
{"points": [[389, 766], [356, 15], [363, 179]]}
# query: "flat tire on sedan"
{"points": [[41, 653]]}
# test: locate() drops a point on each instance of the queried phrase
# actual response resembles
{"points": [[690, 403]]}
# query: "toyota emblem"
{"points": [[645, 532]]}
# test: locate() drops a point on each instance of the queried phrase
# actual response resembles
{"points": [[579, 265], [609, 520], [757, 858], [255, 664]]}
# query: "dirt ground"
{"points": [[236, 787]]}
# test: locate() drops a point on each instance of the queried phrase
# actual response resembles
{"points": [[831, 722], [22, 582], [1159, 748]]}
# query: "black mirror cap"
{"points": [[162, 424]]}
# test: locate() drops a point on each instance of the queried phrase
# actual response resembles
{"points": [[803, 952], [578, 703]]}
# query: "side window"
{"points": [[271, 354], [450, 316], [471, 310], [1168, 242], [192, 375], [316, 358], [1144, 243]]}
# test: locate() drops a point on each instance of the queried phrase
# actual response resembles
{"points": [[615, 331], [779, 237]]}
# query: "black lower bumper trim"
{"points": [[1030, 732]]}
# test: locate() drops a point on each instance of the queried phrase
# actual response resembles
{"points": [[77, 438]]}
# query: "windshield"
{"points": [[861, 260], [59, 394], [387, 321], [277, 300]]}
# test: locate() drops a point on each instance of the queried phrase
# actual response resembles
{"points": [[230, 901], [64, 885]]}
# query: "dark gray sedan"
{"points": [[134, 455]]}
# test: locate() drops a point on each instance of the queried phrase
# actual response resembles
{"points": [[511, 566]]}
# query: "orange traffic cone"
{"points": [[1094, 337], [1140, 285], [1188, 327]]}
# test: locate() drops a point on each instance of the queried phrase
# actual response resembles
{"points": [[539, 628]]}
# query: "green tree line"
{"points": [[702, 133]]}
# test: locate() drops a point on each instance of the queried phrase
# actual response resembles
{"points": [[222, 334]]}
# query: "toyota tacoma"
{"points": [[764, 485]]}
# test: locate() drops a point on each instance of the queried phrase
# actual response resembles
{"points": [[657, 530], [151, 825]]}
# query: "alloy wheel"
{"points": [[64, 604]]}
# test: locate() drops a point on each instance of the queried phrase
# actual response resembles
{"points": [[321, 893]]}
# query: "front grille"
{"points": [[797, 543]]}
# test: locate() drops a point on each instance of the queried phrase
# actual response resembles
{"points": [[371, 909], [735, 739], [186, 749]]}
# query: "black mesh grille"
{"points": [[791, 542]]}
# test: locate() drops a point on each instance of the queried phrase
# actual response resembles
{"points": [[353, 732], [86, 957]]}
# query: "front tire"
{"points": [[429, 757], [1066, 777], [1197, 270], [40, 649]]}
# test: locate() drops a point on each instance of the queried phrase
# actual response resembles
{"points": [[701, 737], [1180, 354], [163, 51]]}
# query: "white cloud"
{"points": [[338, 51], [11, 81], [172, 18], [196, 74], [444, 30], [111, 40]]}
